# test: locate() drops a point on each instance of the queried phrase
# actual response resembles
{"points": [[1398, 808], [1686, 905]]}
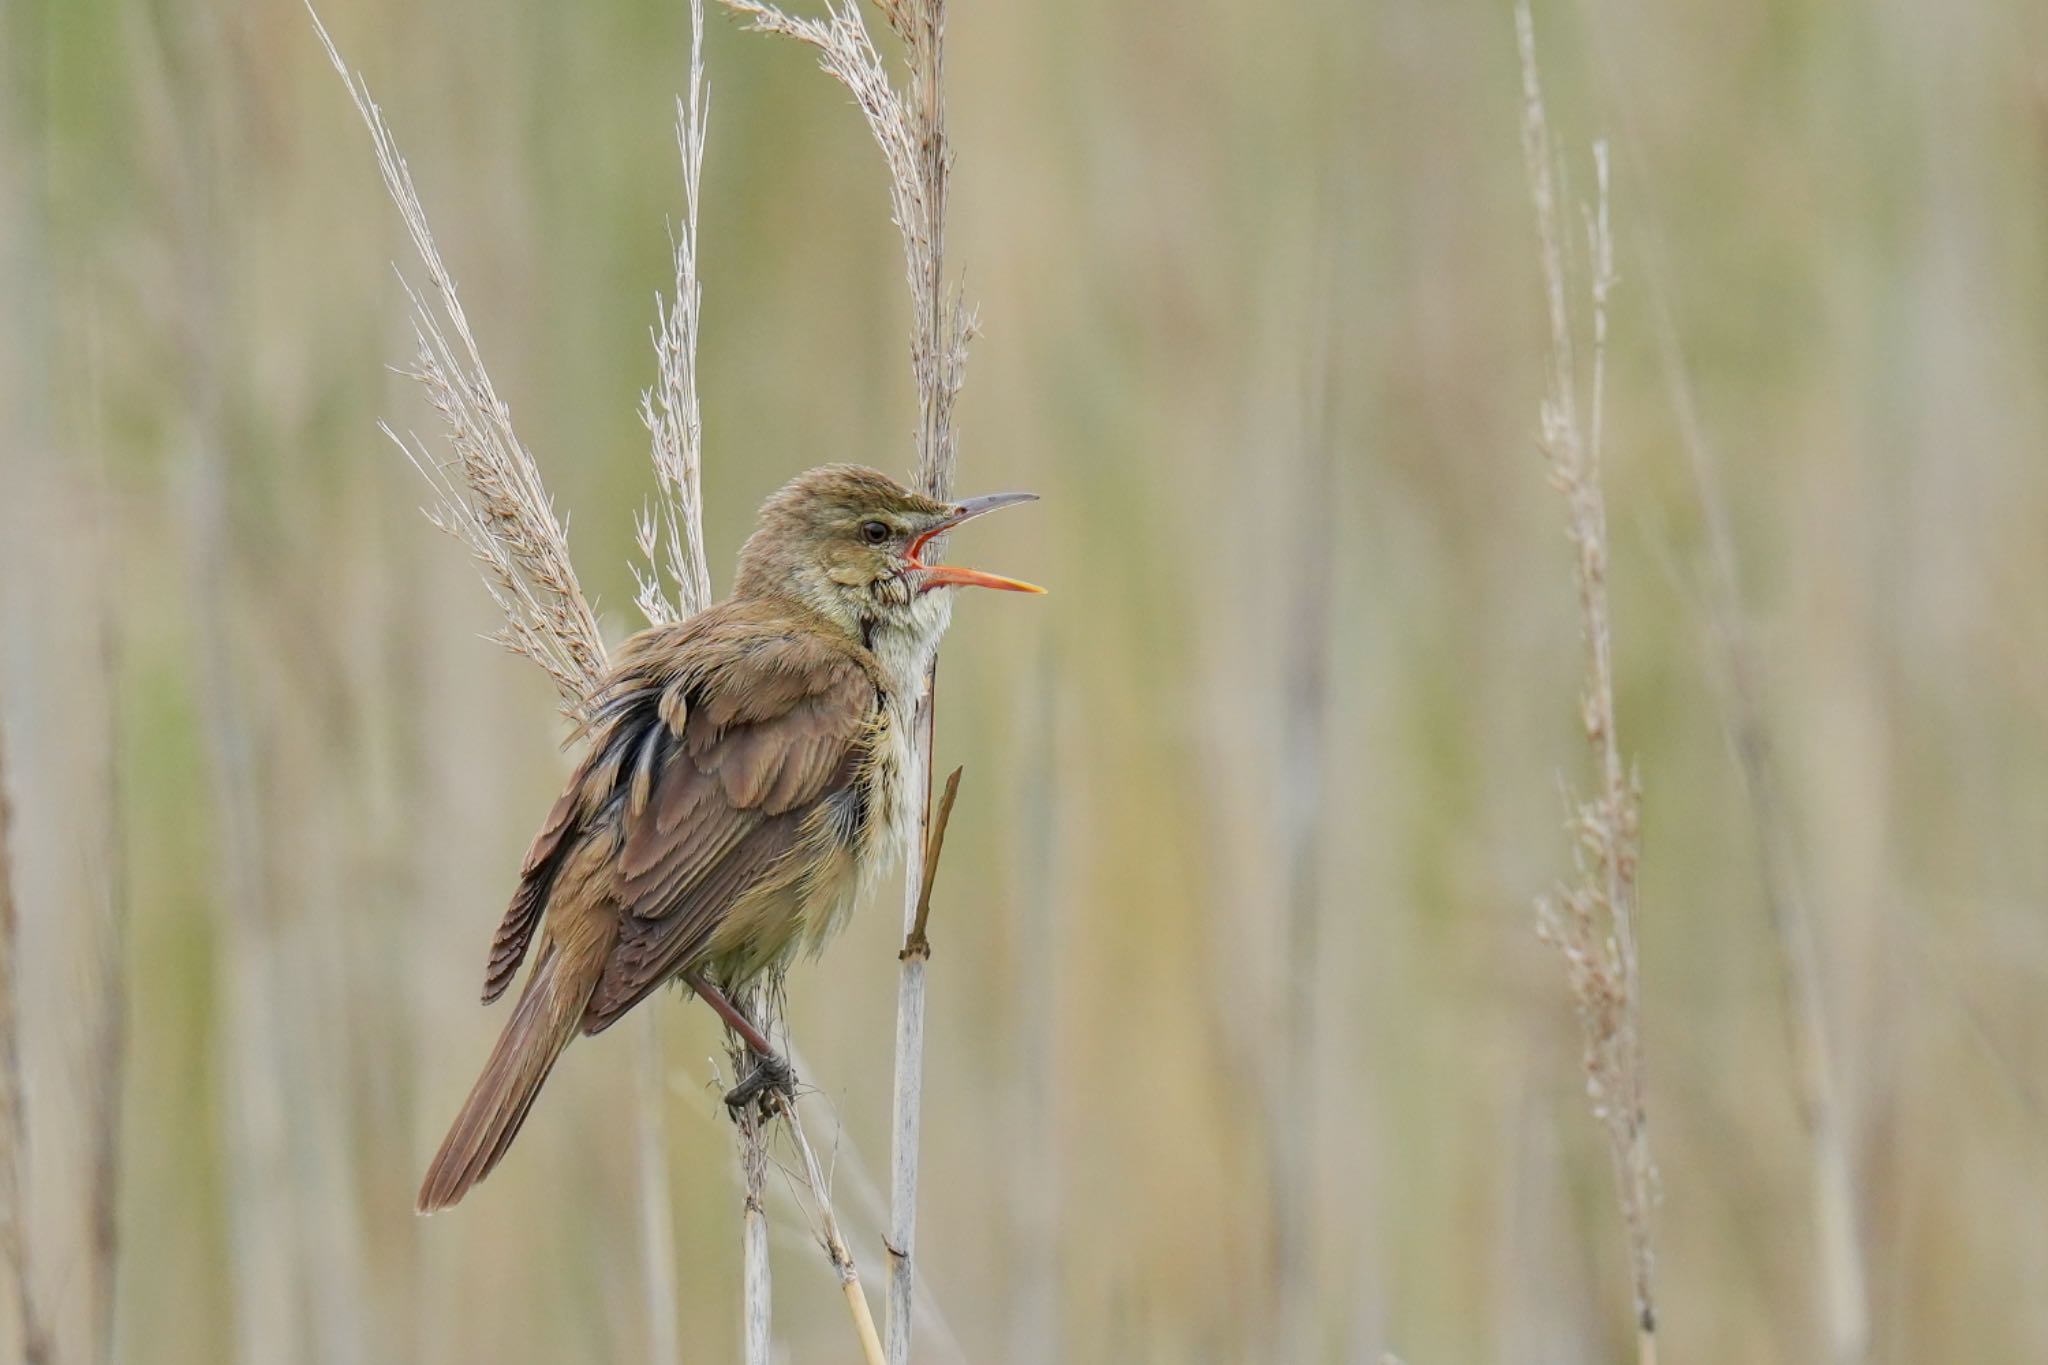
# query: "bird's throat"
{"points": [[904, 639]]}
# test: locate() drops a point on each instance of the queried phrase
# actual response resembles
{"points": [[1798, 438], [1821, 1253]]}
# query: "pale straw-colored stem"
{"points": [[826, 1224], [657, 1233], [15, 1243], [906, 1110], [756, 1283], [1294, 1114], [110, 1028]]}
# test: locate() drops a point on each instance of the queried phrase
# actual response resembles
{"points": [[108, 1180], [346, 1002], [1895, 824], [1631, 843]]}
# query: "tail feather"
{"points": [[542, 1023]]}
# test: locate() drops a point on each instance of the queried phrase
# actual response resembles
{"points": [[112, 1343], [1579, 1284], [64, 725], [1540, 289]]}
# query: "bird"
{"points": [[745, 780]]}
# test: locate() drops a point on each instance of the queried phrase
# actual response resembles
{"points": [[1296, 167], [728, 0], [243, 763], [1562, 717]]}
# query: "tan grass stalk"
{"points": [[110, 1029], [1304, 733], [15, 1243], [657, 1232], [825, 1225], [909, 126], [757, 1340], [756, 1125], [1591, 920]]}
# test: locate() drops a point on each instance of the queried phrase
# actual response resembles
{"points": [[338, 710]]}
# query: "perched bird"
{"points": [[746, 780]]}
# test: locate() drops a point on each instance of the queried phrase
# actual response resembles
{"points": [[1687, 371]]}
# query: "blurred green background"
{"points": [[1261, 308]]}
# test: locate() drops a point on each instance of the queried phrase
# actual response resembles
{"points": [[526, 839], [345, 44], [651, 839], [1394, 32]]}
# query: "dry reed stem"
{"points": [[756, 1283], [825, 1226], [906, 1108], [657, 1236], [1591, 921], [14, 1216], [808, 1182], [754, 1125], [1293, 1112], [110, 1032], [909, 126]]}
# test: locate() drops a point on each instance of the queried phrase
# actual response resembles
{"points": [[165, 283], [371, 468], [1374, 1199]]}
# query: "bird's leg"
{"points": [[771, 1071]]}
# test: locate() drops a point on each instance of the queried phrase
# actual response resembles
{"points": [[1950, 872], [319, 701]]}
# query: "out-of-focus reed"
{"points": [[1592, 921]]}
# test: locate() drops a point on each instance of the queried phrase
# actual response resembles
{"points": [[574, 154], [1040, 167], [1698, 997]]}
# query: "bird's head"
{"points": [[854, 545]]}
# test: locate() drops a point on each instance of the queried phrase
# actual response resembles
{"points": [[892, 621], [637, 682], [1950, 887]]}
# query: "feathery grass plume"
{"points": [[669, 410], [14, 1232], [1591, 920], [909, 126], [490, 496]]}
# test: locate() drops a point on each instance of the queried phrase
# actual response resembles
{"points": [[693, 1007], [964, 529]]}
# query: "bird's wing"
{"points": [[536, 882], [734, 753]]}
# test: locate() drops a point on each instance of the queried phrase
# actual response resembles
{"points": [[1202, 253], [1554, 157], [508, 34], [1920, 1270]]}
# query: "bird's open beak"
{"points": [[941, 575]]}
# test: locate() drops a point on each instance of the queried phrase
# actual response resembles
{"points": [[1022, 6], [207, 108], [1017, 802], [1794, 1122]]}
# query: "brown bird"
{"points": [[746, 781]]}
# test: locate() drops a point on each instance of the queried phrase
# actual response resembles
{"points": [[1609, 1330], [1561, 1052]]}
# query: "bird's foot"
{"points": [[771, 1076]]}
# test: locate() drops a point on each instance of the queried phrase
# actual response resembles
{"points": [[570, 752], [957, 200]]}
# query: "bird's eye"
{"points": [[874, 532]]}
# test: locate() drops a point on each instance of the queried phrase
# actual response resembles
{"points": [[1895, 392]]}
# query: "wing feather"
{"points": [[771, 726]]}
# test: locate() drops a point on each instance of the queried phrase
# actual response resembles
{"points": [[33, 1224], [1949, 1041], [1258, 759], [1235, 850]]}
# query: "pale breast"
{"points": [[863, 834]]}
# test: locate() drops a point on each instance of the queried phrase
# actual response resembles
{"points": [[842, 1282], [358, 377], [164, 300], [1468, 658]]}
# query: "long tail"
{"points": [[542, 1023]]}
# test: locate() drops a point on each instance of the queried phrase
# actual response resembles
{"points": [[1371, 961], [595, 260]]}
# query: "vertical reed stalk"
{"points": [[906, 1112], [1592, 921], [810, 1178], [751, 1132], [110, 1028], [657, 1235], [756, 1287], [15, 1244], [1300, 801]]}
